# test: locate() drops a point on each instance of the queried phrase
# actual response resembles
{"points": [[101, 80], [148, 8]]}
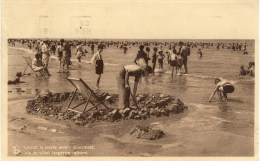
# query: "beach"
{"points": [[205, 129]]}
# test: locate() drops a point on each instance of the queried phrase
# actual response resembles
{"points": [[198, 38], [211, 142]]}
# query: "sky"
{"points": [[135, 19]]}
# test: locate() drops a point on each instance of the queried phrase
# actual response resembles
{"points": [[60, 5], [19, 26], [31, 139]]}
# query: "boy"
{"points": [[200, 52], [17, 79], [79, 52], [98, 61]]}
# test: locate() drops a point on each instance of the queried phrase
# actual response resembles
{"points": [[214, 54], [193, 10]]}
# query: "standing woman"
{"points": [[98, 61]]}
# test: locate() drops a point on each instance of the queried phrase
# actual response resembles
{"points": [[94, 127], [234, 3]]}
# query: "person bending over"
{"points": [[222, 88], [123, 75]]}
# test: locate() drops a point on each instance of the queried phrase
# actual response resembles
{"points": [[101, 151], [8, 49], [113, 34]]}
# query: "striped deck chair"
{"points": [[28, 61], [92, 100]]}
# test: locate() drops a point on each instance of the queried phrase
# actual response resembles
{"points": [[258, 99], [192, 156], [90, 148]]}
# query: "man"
{"points": [[184, 51], [123, 75]]}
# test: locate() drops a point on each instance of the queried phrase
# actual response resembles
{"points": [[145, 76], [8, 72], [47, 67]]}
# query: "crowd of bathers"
{"points": [[154, 52]]}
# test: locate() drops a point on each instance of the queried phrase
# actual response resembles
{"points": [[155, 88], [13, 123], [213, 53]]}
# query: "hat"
{"points": [[159, 51]]}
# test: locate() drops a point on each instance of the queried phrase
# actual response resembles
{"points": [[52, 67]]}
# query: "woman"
{"points": [[123, 82]]}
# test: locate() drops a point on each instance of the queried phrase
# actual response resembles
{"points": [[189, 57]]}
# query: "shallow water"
{"points": [[235, 116]]}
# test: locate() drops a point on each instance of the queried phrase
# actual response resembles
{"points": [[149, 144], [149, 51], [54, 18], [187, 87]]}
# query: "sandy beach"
{"points": [[205, 129]]}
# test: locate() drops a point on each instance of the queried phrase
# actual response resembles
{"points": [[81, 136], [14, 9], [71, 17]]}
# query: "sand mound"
{"points": [[146, 132], [55, 105]]}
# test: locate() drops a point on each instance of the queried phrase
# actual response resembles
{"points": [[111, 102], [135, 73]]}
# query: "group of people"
{"points": [[176, 55], [249, 71]]}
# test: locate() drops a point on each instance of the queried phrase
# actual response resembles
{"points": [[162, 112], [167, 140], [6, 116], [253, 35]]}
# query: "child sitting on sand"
{"points": [[242, 71], [17, 79]]}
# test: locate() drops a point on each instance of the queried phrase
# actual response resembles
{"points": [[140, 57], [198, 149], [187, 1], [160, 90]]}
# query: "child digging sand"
{"points": [[98, 61]]}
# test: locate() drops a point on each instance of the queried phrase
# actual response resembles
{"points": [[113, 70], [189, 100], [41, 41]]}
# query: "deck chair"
{"points": [[28, 61], [91, 98]]}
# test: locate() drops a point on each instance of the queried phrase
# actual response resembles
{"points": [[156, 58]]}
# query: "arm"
{"points": [[126, 80], [135, 86], [212, 95], [76, 51], [93, 59]]}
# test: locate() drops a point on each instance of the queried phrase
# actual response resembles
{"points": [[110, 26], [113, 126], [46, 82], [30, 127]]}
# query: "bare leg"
{"points": [[98, 80]]}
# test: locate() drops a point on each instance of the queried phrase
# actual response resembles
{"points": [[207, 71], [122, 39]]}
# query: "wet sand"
{"points": [[113, 139]]}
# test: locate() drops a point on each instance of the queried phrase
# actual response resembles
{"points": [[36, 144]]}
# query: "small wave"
{"points": [[26, 50], [201, 106], [194, 75]]}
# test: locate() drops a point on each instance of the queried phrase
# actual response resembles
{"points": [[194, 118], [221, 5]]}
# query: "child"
{"points": [[242, 71], [161, 56], [17, 79], [173, 61], [125, 49], [147, 49], [200, 52], [251, 68], [79, 52], [222, 88], [98, 61], [141, 55], [59, 50]]}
